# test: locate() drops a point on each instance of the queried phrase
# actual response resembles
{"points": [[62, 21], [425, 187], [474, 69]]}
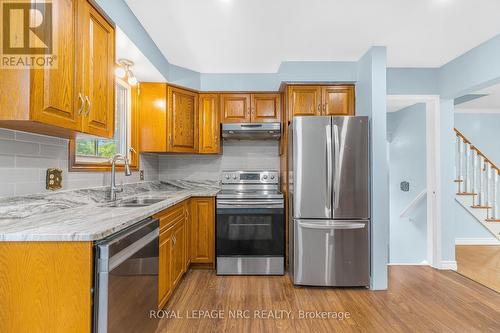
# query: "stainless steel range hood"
{"points": [[251, 131]]}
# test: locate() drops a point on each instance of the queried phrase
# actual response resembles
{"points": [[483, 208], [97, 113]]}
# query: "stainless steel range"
{"points": [[250, 224]]}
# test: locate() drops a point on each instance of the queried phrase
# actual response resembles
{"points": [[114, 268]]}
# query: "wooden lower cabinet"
{"points": [[178, 251], [202, 250], [186, 236], [164, 267], [46, 286]]}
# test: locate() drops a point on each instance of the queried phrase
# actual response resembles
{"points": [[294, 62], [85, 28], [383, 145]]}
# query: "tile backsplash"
{"points": [[25, 158], [237, 155]]}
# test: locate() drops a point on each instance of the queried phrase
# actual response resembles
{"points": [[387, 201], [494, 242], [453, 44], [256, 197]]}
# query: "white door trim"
{"points": [[433, 135]]}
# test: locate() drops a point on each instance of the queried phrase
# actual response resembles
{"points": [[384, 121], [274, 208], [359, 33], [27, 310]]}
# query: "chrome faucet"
{"points": [[113, 190]]}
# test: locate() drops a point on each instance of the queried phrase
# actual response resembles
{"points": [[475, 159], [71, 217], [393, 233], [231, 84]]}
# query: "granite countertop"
{"points": [[84, 215]]}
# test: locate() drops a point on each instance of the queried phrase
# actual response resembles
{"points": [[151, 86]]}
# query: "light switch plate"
{"points": [[53, 181], [141, 174]]}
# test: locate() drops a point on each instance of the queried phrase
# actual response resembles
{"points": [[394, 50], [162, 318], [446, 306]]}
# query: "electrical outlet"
{"points": [[141, 174], [53, 180]]}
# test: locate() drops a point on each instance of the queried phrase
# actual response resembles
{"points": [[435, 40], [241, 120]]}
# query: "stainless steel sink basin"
{"points": [[137, 202]]}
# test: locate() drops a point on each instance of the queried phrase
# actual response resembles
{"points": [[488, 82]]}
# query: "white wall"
{"points": [[25, 158], [237, 155], [407, 150]]}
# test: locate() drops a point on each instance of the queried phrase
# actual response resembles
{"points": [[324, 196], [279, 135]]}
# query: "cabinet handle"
{"points": [[89, 106], [82, 103], [324, 108], [170, 139], [174, 240], [319, 108]]}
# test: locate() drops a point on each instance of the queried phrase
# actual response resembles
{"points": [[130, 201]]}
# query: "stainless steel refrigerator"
{"points": [[329, 195]]}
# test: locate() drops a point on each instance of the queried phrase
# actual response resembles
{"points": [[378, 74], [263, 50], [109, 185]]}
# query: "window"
{"points": [[91, 153]]}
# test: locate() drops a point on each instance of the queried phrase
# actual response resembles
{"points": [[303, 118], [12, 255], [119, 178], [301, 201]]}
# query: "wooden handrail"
{"points": [[486, 159]]}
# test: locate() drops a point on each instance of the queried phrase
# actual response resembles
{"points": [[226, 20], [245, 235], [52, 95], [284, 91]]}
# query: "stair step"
{"points": [[493, 220], [466, 193], [481, 207]]}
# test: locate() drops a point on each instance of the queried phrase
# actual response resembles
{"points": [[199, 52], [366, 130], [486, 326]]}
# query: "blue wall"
{"points": [[298, 71], [482, 130], [371, 101], [467, 226], [407, 162], [412, 81]]}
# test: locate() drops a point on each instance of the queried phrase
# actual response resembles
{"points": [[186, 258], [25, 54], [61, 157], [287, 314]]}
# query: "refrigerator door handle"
{"points": [[332, 225], [329, 170], [336, 181]]}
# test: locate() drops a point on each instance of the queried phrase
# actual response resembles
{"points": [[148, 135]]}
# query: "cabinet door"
{"points": [[98, 56], [209, 128], [153, 117], [304, 101], [202, 230], [178, 252], [235, 108], [182, 122], [338, 101], [165, 282], [55, 97], [266, 108]]}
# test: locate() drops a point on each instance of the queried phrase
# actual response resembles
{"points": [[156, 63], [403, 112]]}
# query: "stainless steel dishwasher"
{"points": [[126, 280]]}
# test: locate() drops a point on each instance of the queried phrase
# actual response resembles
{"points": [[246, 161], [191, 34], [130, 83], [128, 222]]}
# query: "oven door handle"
{"points": [[250, 204]]}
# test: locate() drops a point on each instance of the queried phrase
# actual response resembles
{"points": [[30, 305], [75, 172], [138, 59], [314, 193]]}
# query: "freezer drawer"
{"points": [[331, 253]]}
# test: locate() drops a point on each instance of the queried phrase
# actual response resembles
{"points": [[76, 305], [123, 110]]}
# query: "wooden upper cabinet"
{"points": [[209, 124], [55, 98], [246, 108], [153, 117], [77, 94], [328, 100], [202, 230], [182, 120], [265, 108], [98, 57], [338, 101], [235, 108], [304, 101]]}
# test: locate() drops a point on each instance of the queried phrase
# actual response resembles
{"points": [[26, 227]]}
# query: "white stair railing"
{"points": [[413, 204], [477, 176]]}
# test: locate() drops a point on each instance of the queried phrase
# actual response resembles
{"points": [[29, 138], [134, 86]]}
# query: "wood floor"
{"points": [[480, 263], [419, 299]]}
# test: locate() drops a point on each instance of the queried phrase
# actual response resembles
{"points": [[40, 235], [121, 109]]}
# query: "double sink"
{"points": [[136, 202]]}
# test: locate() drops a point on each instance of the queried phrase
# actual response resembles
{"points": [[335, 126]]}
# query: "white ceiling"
{"points": [[143, 69], [254, 36], [491, 102]]}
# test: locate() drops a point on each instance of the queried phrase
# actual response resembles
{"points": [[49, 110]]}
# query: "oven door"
{"points": [[250, 228]]}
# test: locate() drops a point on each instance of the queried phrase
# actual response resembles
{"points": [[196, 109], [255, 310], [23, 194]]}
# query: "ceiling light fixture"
{"points": [[123, 71]]}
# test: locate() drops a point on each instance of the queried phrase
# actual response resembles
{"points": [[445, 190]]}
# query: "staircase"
{"points": [[477, 180]]}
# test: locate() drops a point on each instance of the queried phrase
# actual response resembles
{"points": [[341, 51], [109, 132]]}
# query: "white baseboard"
{"points": [[423, 263], [477, 241], [448, 265]]}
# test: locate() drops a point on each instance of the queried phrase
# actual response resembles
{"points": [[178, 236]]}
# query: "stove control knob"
{"points": [[234, 177], [265, 177], [227, 176], [272, 176]]}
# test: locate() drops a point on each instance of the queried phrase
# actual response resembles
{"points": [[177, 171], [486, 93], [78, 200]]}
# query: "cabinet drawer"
{"points": [[171, 215]]}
